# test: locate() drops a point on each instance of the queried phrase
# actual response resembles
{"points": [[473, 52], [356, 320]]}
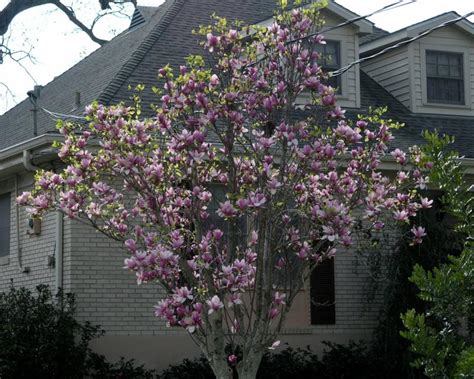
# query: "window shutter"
{"points": [[5, 224], [323, 307]]}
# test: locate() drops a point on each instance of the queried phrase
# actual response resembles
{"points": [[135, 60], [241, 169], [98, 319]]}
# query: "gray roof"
{"points": [[376, 34], [461, 127], [135, 56], [92, 77]]}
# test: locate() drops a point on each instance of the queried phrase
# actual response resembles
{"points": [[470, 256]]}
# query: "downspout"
{"points": [[22, 269], [58, 261]]}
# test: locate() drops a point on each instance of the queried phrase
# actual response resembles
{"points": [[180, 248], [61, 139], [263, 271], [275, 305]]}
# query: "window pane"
{"points": [[323, 307], [330, 61], [443, 59], [445, 90], [431, 69], [329, 54], [454, 60], [443, 70], [455, 71], [5, 204], [431, 57], [444, 80]]}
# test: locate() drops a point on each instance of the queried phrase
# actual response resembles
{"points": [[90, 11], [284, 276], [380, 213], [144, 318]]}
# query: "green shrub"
{"points": [[100, 368], [338, 362], [40, 338]]}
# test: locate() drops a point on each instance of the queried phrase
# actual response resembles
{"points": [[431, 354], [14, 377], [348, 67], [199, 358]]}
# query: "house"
{"points": [[427, 83]]}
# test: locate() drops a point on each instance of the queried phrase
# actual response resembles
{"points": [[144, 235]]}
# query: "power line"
{"points": [[62, 116], [342, 70], [397, 4]]}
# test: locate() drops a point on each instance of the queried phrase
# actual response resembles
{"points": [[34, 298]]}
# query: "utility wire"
{"points": [[62, 116], [342, 70], [397, 4], [388, 7]]}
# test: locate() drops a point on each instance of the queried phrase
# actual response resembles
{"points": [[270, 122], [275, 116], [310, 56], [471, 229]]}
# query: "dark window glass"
{"points": [[444, 77], [330, 60], [323, 307], [5, 224]]}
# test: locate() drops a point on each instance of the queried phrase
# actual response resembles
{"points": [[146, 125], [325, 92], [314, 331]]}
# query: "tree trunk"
{"points": [[247, 369], [220, 368]]}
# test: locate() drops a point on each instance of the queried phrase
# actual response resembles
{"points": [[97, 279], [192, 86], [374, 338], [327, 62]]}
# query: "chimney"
{"points": [[77, 100]]}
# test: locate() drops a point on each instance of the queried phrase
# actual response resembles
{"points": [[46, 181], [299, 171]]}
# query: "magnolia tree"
{"points": [[230, 196]]}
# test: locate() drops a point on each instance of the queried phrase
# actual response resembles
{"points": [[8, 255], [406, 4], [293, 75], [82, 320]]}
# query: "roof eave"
{"points": [[363, 26]]}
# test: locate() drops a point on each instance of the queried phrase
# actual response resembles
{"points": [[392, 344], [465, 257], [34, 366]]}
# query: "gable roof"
{"points": [[164, 37], [89, 77], [133, 57], [386, 39], [376, 34], [461, 127]]}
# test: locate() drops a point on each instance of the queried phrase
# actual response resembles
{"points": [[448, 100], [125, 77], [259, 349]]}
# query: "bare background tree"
{"points": [[85, 15]]}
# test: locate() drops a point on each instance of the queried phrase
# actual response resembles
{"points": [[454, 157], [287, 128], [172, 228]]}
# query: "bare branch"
{"points": [[70, 14], [15, 7]]}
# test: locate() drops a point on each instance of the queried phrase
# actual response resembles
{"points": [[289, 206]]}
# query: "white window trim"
{"points": [[466, 74]]}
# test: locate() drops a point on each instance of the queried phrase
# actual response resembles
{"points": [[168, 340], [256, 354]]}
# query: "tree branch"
{"points": [[15, 7], [70, 14]]}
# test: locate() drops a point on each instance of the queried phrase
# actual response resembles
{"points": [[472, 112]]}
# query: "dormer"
{"points": [[342, 48], [432, 74]]}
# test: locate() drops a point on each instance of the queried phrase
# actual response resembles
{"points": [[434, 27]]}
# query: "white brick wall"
{"points": [[34, 249], [108, 295]]}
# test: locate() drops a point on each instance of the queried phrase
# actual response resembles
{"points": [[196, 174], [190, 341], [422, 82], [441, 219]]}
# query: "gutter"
{"points": [[45, 139]]}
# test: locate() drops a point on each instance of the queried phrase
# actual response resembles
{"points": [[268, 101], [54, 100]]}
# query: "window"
{"points": [[330, 60], [5, 225], [444, 77], [323, 307]]}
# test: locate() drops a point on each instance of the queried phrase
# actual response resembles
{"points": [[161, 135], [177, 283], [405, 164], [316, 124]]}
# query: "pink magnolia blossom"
{"points": [[418, 234], [215, 304]]}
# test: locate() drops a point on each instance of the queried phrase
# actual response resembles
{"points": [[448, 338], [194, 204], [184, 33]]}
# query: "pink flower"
{"points": [[212, 41], [131, 245], [274, 345], [217, 233], [23, 198], [400, 216], [257, 199], [399, 156], [426, 203], [418, 234], [232, 359], [214, 304], [273, 312], [226, 209], [214, 80], [279, 298]]}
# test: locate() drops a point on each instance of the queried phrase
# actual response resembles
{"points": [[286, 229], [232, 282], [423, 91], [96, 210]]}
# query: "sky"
{"points": [[55, 45]]}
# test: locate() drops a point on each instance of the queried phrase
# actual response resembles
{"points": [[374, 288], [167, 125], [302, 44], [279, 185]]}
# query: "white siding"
{"points": [[392, 72], [35, 249]]}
